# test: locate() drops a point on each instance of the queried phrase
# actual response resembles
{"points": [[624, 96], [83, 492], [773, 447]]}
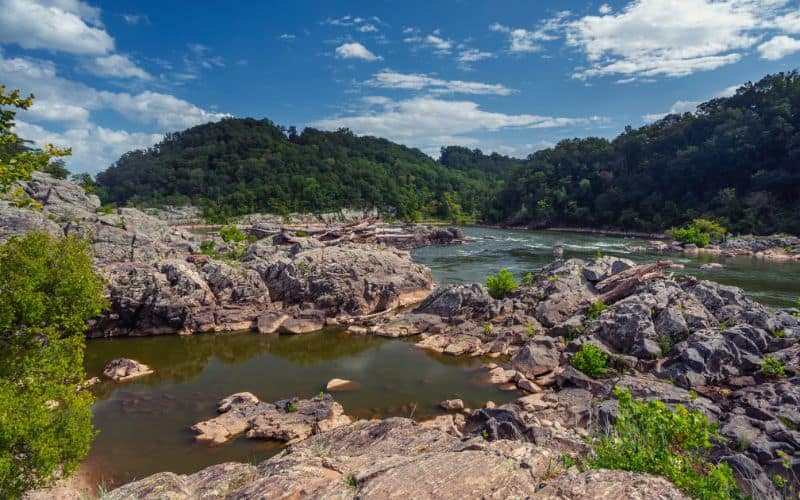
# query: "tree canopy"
{"points": [[48, 291], [239, 166]]}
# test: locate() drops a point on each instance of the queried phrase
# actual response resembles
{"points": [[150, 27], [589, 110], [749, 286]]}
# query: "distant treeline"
{"points": [[735, 160]]}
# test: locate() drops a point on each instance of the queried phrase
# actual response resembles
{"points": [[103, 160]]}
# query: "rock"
{"points": [[305, 322], [628, 327], [397, 458], [339, 384], [124, 369], [270, 321], [290, 420], [471, 301], [711, 266], [536, 358], [609, 485], [528, 386], [452, 404]]}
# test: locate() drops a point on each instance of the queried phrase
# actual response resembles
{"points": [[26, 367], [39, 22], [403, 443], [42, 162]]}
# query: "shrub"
{"points": [[291, 407], [232, 233], [596, 309], [487, 329], [772, 368], [49, 291], [301, 234], [699, 232], [530, 330], [501, 284], [527, 278], [591, 360], [649, 437], [207, 248]]}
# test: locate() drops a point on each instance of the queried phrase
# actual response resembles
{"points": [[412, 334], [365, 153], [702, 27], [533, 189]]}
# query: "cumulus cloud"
{"points": [[63, 25], [389, 79], [524, 40], [675, 38], [779, 47], [117, 66], [419, 121], [70, 105], [355, 50], [678, 108]]}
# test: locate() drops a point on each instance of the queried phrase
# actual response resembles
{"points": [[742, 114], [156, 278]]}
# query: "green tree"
{"points": [[17, 161], [48, 291]]}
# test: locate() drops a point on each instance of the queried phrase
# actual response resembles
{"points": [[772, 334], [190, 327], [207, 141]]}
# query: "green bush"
{"points": [[649, 437], [487, 329], [232, 233], [527, 278], [301, 234], [591, 360], [48, 292], [501, 284], [207, 248], [596, 309], [700, 232], [772, 368]]}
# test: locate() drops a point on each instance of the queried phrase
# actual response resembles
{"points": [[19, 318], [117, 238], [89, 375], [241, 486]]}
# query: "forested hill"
{"points": [[736, 160], [239, 166]]}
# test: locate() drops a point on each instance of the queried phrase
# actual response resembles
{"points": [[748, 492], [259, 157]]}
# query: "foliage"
{"points": [[232, 234], [530, 329], [700, 232], [527, 278], [48, 290], [301, 234], [772, 368], [649, 437], [501, 284], [291, 407], [239, 166], [207, 248], [591, 360], [57, 169], [487, 329], [18, 161], [85, 181], [596, 309], [734, 160]]}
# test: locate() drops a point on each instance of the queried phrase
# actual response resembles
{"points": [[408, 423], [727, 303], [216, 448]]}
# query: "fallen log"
{"points": [[622, 284]]}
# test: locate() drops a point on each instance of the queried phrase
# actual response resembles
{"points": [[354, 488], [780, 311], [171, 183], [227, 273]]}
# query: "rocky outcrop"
{"points": [[159, 283], [289, 420], [399, 458], [123, 369]]}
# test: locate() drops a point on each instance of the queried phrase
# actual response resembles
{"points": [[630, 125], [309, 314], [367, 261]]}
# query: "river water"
{"points": [[144, 424]]}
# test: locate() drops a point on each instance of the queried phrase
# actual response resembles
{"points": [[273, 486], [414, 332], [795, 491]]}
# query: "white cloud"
{"points": [[117, 66], [93, 147], [468, 56], [605, 9], [389, 79], [523, 40], [367, 28], [779, 47], [71, 104], [355, 50], [287, 36], [135, 19], [439, 43], [419, 122], [672, 37], [678, 108], [63, 25]]}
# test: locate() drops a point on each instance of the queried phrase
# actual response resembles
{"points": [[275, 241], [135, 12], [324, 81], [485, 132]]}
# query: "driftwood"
{"points": [[624, 283]]}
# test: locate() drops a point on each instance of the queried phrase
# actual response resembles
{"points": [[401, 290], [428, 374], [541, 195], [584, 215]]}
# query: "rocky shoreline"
{"points": [[680, 340], [779, 248]]}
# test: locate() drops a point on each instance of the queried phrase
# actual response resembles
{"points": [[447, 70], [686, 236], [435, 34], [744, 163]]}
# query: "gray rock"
{"points": [[538, 357], [124, 369]]}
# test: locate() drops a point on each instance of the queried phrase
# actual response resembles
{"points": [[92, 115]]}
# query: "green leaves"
{"points": [[501, 284], [48, 291], [591, 360], [649, 437]]}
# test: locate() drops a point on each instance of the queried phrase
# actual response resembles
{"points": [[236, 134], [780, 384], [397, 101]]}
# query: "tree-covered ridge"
{"points": [[239, 166], [735, 160]]}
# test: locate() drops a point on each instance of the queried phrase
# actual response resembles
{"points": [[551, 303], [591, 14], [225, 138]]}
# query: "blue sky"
{"points": [[511, 77]]}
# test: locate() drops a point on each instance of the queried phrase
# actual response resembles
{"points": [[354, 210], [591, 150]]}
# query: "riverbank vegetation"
{"points": [[734, 161]]}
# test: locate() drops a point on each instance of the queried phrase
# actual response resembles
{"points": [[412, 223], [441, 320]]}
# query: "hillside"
{"points": [[735, 159], [239, 166]]}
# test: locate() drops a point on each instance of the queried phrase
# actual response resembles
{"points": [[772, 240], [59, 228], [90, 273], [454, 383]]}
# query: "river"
{"points": [[144, 424]]}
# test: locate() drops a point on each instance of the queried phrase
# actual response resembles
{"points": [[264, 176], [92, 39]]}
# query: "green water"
{"points": [[144, 424], [775, 284]]}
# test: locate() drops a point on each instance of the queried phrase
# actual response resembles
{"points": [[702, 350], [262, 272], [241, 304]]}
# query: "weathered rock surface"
{"points": [[124, 369], [158, 283], [289, 420], [398, 458]]}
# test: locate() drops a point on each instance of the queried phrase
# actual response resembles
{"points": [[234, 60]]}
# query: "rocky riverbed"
{"points": [[680, 340]]}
